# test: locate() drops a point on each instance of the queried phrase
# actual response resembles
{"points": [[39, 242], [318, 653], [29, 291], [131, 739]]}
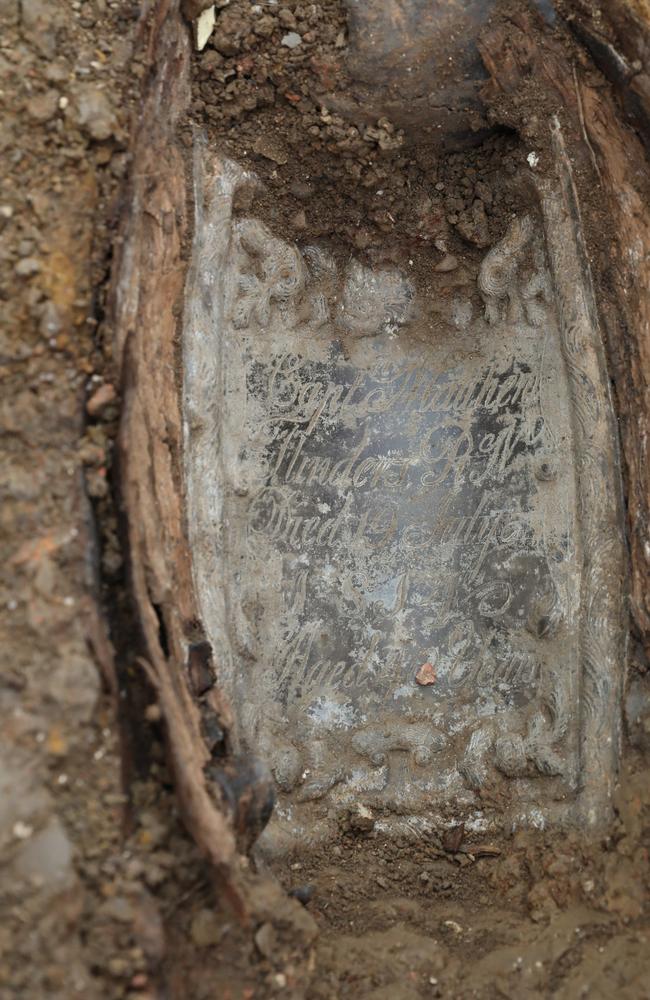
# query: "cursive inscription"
{"points": [[296, 396], [394, 486]]}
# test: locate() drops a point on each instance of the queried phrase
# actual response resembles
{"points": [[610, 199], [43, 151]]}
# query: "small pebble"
{"points": [[152, 713], [100, 400], [453, 925], [118, 967], [271, 149], [42, 107], [287, 18], [303, 893], [453, 838], [95, 113], [292, 39], [22, 831], [266, 940], [301, 190], [26, 267], [448, 263], [203, 27], [361, 819]]}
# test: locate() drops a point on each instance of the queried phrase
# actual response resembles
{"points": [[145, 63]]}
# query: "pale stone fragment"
{"points": [[203, 26]]}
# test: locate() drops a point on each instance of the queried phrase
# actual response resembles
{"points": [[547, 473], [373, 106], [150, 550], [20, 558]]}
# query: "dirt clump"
{"points": [[367, 188]]}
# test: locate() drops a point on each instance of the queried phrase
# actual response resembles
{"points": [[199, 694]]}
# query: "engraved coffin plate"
{"points": [[402, 505]]}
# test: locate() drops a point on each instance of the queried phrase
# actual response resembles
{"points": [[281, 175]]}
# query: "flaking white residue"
{"points": [[533, 817], [332, 714], [476, 823]]}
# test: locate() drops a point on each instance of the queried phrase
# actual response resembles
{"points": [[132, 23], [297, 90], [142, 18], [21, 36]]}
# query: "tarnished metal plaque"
{"points": [[392, 486]]}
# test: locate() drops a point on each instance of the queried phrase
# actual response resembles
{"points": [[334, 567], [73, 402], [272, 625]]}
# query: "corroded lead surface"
{"points": [[383, 512]]}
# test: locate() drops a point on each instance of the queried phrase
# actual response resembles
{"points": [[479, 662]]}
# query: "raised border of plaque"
{"points": [[322, 562]]}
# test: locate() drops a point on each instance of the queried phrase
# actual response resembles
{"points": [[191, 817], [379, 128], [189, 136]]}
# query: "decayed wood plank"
{"points": [[618, 39], [530, 66], [147, 293]]}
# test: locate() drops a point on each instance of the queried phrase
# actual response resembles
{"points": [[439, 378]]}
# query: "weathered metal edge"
{"points": [[603, 557], [202, 363]]}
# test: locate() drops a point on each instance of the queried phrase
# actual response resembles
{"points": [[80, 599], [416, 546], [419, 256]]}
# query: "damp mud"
{"points": [[374, 252]]}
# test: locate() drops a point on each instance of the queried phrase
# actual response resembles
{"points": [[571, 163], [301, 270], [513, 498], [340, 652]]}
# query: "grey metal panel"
{"points": [[404, 514]]}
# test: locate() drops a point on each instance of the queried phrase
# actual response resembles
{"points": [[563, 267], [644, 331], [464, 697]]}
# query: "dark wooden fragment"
{"points": [[618, 39]]}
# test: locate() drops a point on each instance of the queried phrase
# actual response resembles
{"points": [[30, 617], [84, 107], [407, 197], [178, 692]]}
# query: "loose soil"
{"points": [[104, 895], [367, 189]]}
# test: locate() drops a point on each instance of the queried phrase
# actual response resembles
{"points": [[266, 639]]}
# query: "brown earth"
{"points": [[103, 892]]}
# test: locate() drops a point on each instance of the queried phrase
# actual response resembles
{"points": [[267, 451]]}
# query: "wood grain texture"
{"points": [[147, 297], [618, 40], [532, 67], [220, 797]]}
